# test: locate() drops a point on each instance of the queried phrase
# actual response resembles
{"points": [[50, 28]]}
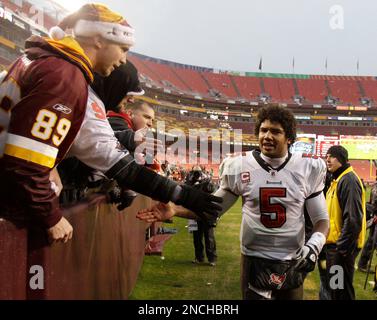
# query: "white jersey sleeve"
{"points": [[96, 144], [230, 170], [317, 176]]}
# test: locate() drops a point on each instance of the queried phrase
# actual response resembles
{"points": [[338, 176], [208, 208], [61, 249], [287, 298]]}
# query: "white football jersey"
{"points": [[273, 200], [95, 143]]}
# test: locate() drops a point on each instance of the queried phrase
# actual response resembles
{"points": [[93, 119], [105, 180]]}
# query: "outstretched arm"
{"points": [[161, 211]]}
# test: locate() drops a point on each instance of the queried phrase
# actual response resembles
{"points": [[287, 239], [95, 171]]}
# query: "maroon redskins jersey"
{"points": [[42, 105]]}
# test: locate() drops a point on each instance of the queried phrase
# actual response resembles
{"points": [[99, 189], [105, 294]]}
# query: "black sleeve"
{"points": [[123, 133], [138, 178], [350, 201], [132, 176], [373, 199]]}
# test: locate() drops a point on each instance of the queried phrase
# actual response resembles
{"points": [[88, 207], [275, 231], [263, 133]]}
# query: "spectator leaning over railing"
{"points": [[47, 110], [131, 120], [130, 127]]}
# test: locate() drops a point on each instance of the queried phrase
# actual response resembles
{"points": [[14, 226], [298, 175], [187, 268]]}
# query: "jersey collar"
{"points": [[265, 165]]}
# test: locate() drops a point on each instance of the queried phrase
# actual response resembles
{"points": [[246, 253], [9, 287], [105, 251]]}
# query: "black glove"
{"points": [[307, 258], [122, 197], [127, 198], [199, 202]]}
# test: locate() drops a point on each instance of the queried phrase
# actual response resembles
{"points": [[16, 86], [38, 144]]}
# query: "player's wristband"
{"points": [[317, 241]]}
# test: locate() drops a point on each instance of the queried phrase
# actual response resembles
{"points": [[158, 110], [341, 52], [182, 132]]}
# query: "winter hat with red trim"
{"points": [[96, 19]]}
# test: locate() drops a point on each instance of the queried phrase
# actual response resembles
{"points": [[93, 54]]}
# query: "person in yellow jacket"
{"points": [[346, 205]]}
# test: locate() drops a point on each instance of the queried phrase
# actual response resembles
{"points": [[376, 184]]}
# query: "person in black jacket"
{"points": [[367, 253], [345, 200], [205, 230]]}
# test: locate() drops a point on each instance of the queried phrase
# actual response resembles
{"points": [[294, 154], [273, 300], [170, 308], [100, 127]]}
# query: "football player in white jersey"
{"points": [[275, 186]]}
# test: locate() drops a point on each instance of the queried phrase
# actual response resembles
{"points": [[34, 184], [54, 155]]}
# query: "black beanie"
{"points": [[340, 153], [122, 81]]}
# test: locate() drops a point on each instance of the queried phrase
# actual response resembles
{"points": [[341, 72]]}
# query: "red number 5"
{"points": [[273, 215]]}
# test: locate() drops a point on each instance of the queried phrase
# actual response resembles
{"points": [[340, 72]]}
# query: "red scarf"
{"points": [[124, 116]]}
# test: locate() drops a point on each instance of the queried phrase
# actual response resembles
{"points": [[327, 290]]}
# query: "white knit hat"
{"points": [[96, 19]]}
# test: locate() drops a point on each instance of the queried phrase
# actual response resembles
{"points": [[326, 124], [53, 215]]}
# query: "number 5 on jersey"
{"points": [[44, 126], [273, 215]]}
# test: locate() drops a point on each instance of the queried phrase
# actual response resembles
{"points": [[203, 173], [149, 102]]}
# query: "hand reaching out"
{"points": [[158, 212]]}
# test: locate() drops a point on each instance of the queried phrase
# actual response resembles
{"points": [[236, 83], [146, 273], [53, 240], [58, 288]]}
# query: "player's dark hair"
{"points": [[280, 115]]}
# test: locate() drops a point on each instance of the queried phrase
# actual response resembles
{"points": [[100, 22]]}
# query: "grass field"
{"points": [[174, 277]]}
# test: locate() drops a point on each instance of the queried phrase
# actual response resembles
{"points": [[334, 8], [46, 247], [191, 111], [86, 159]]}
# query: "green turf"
{"points": [[173, 276]]}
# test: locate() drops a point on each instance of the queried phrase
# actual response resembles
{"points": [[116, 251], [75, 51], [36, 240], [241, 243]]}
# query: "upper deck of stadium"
{"points": [[255, 87]]}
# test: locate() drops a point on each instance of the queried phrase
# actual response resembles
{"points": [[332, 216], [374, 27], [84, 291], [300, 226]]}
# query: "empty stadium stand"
{"points": [[312, 90], [370, 88], [346, 90], [222, 83], [144, 69], [166, 75], [249, 87], [279, 88], [194, 80]]}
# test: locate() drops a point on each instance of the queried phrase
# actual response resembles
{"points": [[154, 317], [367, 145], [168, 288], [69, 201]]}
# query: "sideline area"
{"points": [[174, 277]]}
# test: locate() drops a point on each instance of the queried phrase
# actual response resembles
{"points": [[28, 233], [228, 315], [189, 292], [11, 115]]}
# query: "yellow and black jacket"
{"points": [[347, 211]]}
